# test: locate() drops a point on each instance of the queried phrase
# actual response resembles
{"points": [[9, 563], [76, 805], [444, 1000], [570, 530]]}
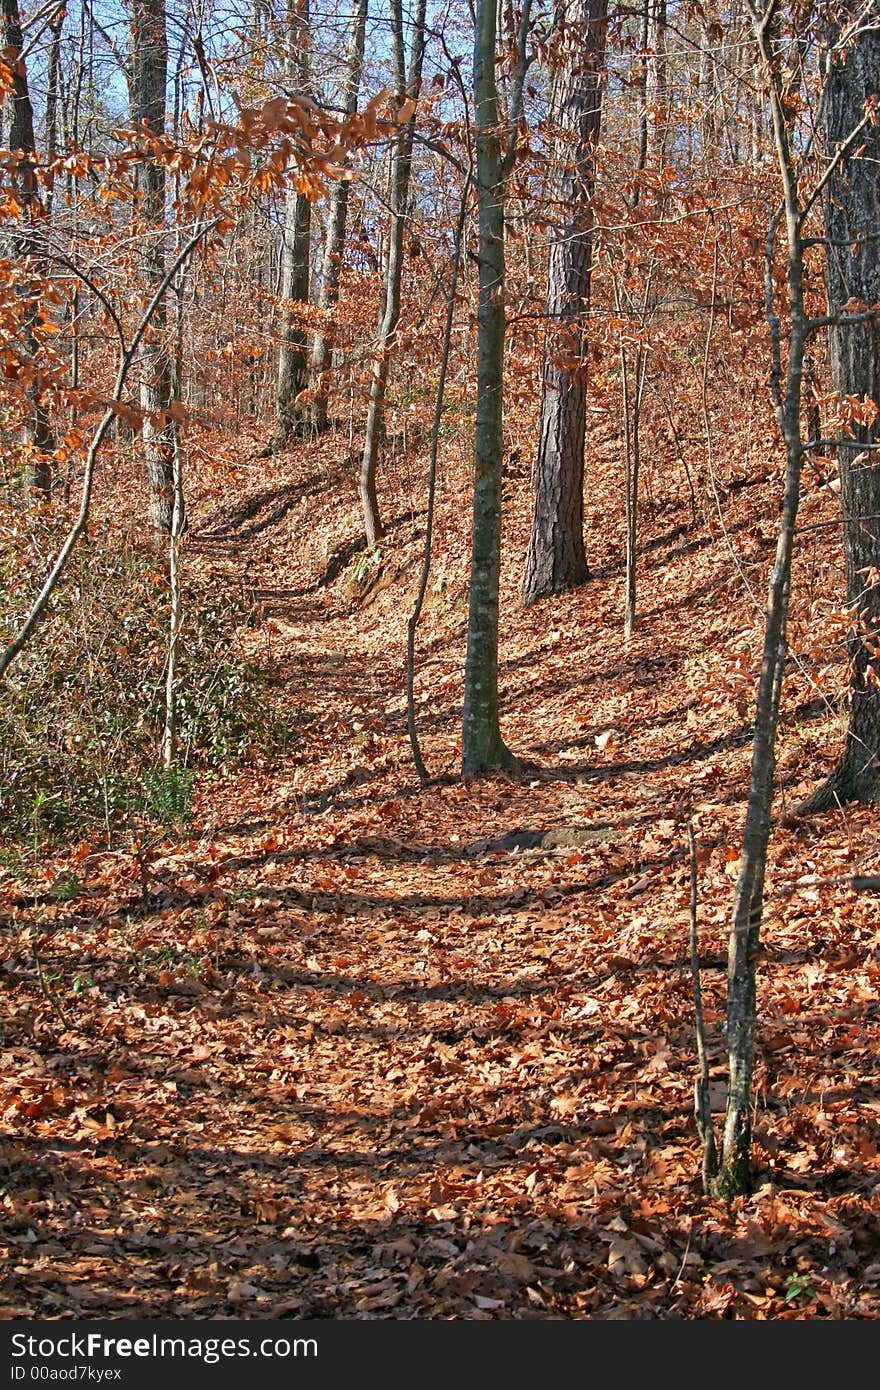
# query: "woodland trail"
{"points": [[374, 1050]]}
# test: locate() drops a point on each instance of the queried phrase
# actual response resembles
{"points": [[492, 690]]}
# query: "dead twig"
{"points": [[48, 992]]}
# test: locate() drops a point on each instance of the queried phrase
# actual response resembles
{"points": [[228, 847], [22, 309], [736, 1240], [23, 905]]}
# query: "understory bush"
{"points": [[82, 710]]}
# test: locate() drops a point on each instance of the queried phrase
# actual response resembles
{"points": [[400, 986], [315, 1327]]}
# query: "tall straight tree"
{"points": [[18, 118], [334, 242], [852, 227], [149, 76], [293, 362], [407, 86], [556, 559], [482, 747]]}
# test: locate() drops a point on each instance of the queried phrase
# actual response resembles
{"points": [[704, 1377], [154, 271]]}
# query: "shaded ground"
{"points": [[376, 1050]]}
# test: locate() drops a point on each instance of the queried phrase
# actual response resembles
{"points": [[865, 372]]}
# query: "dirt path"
{"points": [[377, 1050]]}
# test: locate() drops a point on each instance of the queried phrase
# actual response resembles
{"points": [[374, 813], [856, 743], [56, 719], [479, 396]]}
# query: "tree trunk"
{"points": [[295, 253], [19, 118], [53, 98], [852, 220], [733, 1176], [482, 747], [149, 64], [632, 470], [556, 559], [657, 83], [405, 87], [334, 243]]}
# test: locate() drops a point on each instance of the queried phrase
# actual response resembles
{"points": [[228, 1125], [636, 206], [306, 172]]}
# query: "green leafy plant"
{"points": [[83, 708], [167, 795], [798, 1286], [370, 559], [65, 888]]}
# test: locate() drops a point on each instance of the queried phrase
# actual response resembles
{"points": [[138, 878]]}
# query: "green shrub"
{"points": [[82, 710]]}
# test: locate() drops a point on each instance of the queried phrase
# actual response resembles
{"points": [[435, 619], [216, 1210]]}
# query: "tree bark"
{"points": [[334, 243], [53, 98], [149, 64], [295, 253], [556, 559], [406, 87], [19, 118], [657, 83], [482, 747], [852, 223]]}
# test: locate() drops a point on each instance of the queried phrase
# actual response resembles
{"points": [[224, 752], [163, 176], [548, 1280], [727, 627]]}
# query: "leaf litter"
{"points": [[373, 1050]]}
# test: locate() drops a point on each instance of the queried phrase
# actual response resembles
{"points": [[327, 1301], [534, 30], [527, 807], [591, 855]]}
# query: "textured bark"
{"points": [[292, 356], [293, 361], [407, 86], [556, 559], [149, 63], [852, 218], [482, 747], [709, 94], [19, 118], [334, 243], [657, 83]]}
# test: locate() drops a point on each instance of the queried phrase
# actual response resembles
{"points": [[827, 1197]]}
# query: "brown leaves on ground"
{"points": [[374, 1050]]}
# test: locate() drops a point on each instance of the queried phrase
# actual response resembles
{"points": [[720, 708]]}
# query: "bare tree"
{"points": [[852, 230], [295, 252], [149, 75], [18, 117], [777, 33], [407, 86], [556, 559], [482, 747], [334, 242]]}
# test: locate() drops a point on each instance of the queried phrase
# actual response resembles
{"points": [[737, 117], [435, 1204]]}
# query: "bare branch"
{"points": [[17, 645]]}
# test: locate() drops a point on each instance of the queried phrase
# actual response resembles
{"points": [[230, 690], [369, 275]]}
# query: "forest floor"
{"points": [[366, 1049]]}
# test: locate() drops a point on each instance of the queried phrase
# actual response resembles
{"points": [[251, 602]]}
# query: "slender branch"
{"points": [[842, 152], [59, 258], [47, 991], [437, 147], [837, 443], [763, 18], [108, 39], [861, 240], [772, 316], [843, 320], [17, 645], [702, 1099], [432, 487], [704, 379], [516, 96], [45, 18]]}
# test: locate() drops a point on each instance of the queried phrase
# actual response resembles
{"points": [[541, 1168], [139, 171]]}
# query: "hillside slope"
{"points": [[371, 1049]]}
